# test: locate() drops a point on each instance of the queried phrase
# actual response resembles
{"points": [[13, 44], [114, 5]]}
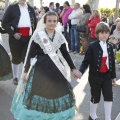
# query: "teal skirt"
{"points": [[41, 108]]}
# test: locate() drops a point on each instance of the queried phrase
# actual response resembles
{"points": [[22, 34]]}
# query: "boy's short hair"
{"points": [[102, 27]]}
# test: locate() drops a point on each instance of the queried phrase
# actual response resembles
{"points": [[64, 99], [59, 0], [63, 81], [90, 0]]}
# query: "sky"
{"points": [[102, 3]]}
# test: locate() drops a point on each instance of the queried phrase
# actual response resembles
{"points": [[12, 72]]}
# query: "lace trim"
{"points": [[57, 42]]}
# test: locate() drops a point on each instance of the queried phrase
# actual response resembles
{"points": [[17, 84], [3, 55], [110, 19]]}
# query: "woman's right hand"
{"points": [[25, 78]]}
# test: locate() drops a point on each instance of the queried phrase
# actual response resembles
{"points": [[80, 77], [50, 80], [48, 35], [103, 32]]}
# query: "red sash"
{"points": [[24, 31], [103, 67]]}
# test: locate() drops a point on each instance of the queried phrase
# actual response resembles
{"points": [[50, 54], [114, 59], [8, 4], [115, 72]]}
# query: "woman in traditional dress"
{"points": [[47, 92], [5, 64]]}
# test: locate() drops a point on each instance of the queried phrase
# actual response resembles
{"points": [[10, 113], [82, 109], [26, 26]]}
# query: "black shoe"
{"points": [[15, 81], [93, 119]]}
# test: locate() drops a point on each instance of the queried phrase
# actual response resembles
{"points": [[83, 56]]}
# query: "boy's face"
{"points": [[103, 36]]}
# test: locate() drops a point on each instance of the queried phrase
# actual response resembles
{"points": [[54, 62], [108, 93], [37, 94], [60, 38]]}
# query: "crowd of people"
{"points": [[71, 18], [36, 39]]}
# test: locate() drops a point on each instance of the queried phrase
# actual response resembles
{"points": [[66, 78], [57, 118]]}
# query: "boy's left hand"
{"points": [[76, 73], [114, 82]]}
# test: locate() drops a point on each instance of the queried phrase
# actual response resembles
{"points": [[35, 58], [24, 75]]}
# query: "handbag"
{"points": [[113, 41], [81, 28]]}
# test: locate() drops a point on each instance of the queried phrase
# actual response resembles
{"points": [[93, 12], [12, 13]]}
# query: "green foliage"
{"points": [[108, 11], [2, 1], [13, 2]]}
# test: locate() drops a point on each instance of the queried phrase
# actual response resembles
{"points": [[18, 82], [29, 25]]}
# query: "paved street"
{"points": [[81, 90]]}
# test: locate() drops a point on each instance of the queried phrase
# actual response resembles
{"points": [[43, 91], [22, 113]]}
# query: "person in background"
{"points": [[83, 22], [104, 18], [19, 22], [60, 19], [64, 15], [51, 6], [42, 12], [111, 20], [36, 13], [92, 23], [114, 39], [116, 32], [57, 10], [46, 9], [113, 27], [75, 17]]}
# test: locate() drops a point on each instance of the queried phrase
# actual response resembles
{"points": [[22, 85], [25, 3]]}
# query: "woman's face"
{"points": [[51, 22]]}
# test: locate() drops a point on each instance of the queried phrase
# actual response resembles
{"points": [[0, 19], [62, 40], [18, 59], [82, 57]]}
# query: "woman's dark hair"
{"points": [[67, 3], [50, 13], [87, 8]]}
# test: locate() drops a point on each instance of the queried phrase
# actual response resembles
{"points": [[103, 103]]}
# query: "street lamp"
{"points": [[6, 4]]}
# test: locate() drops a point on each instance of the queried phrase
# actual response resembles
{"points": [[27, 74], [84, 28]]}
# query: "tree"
{"points": [[41, 3], [6, 4], [2, 0], [93, 4], [72, 2], [117, 9]]}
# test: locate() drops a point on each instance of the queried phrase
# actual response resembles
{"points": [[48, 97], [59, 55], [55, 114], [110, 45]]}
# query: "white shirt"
{"points": [[105, 52], [75, 16], [24, 20]]}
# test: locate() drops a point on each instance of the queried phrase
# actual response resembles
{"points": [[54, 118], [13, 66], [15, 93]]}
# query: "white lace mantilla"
{"points": [[57, 42]]}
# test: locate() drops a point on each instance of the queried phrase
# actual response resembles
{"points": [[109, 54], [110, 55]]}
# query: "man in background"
{"points": [[19, 22]]}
